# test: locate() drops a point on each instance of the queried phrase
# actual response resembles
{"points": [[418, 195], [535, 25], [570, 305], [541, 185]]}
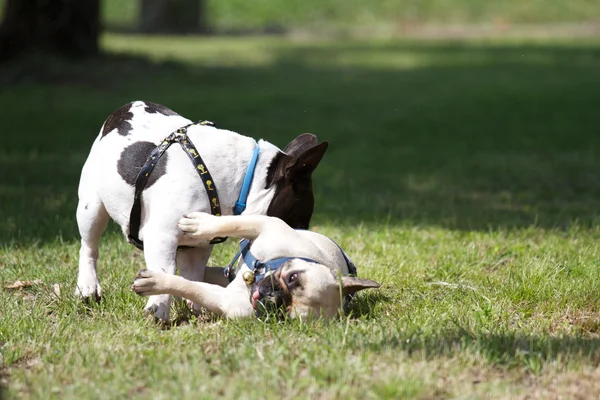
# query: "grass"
{"points": [[461, 175]]}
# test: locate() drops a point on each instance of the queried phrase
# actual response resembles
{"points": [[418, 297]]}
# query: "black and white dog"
{"points": [[280, 186]]}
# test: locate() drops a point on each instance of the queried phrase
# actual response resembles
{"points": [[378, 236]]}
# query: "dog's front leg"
{"points": [[231, 302], [201, 225], [159, 252]]}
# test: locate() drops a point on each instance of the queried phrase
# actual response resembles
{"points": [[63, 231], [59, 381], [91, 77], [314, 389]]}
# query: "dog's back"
{"points": [[174, 187]]}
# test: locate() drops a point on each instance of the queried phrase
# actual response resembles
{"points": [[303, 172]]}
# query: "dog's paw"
{"points": [[144, 283], [159, 308], [198, 225], [88, 291], [147, 283]]}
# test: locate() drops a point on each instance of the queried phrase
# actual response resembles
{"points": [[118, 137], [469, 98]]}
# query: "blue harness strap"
{"points": [[255, 264], [352, 271], [272, 265], [240, 205]]}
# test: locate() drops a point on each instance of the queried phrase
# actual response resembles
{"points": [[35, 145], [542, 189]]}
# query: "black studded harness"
{"points": [[179, 136]]}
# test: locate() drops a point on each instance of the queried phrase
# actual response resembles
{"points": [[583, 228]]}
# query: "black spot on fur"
{"points": [[154, 108], [132, 160], [120, 120]]}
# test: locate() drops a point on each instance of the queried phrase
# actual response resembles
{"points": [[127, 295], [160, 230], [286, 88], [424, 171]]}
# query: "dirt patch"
{"points": [[584, 384], [27, 362]]}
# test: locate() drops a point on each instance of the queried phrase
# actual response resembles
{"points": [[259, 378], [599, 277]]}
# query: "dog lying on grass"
{"points": [[297, 273]]}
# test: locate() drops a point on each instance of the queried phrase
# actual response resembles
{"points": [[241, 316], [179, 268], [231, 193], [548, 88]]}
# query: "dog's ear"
{"points": [[352, 285], [300, 165], [301, 143], [306, 161]]}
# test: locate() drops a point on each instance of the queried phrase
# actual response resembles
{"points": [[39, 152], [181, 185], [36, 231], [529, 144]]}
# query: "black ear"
{"points": [[301, 143], [352, 285], [306, 162], [302, 164]]}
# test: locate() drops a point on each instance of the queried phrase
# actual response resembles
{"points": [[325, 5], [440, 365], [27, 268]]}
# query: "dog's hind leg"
{"points": [[216, 276], [160, 249], [192, 263], [92, 220]]}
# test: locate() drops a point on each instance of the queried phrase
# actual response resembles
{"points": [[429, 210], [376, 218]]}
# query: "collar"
{"points": [[258, 269], [264, 267], [240, 205]]}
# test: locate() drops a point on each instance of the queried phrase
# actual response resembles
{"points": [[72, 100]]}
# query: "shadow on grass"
{"points": [[3, 387], [362, 305], [509, 349], [466, 137]]}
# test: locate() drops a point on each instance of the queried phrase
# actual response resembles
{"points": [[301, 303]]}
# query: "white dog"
{"points": [[125, 164], [301, 273]]}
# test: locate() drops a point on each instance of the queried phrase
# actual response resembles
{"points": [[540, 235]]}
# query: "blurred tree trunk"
{"points": [[174, 16], [65, 27]]}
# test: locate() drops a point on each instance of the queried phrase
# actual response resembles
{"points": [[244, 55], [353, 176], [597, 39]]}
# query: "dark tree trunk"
{"points": [[65, 27], [174, 16]]}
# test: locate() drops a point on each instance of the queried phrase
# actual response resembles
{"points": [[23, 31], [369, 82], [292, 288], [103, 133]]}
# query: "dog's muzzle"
{"points": [[269, 297]]}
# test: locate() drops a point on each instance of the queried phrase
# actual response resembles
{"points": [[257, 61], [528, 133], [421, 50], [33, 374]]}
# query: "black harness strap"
{"points": [[179, 136]]}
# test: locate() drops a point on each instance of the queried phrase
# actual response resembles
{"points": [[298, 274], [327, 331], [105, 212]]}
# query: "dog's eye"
{"points": [[292, 278]]}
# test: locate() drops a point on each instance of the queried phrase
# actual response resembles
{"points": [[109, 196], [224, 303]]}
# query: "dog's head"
{"points": [[290, 173], [304, 289]]}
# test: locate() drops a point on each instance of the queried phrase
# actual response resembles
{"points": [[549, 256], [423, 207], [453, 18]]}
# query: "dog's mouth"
{"points": [[270, 297]]}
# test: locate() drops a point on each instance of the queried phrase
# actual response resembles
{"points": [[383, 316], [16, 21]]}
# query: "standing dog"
{"points": [[280, 186], [302, 273]]}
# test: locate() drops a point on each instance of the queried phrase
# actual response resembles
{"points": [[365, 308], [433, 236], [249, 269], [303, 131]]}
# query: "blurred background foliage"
{"points": [[275, 15], [265, 15], [72, 27]]}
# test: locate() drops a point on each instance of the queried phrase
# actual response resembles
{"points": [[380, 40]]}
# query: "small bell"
{"points": [[248, 277]]}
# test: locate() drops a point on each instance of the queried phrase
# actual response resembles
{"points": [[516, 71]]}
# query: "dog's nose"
{"points": [[263, 299], [255, 298], [265, 290]]}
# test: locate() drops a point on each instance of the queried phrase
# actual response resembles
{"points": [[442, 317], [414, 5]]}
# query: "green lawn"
{"points": [[464, 176]]}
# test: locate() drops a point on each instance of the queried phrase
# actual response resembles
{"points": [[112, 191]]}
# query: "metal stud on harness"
{"points": [[179, 136]]}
